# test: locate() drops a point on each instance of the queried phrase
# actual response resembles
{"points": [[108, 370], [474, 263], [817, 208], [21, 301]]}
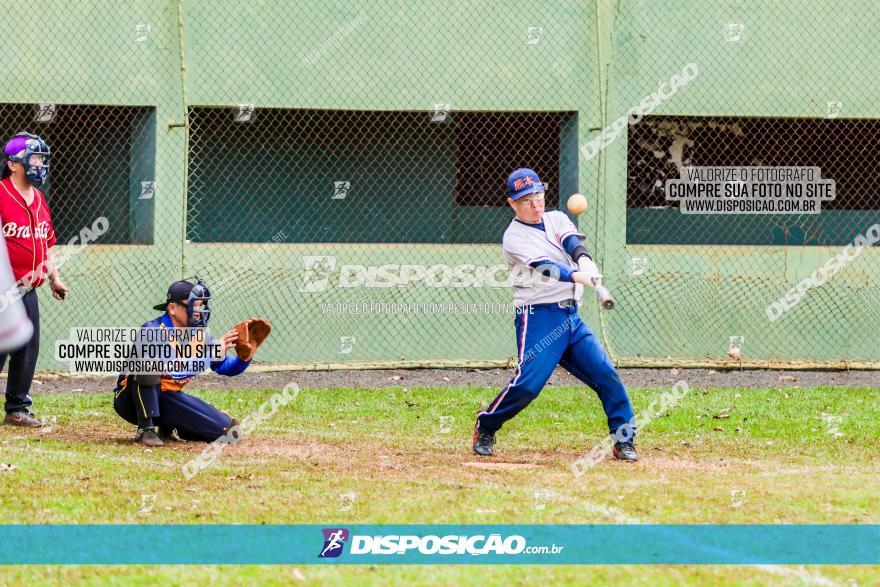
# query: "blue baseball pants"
{"points": [[548, 335]]}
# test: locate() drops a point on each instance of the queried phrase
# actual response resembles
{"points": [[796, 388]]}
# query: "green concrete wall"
{"points": [[594, 59]]}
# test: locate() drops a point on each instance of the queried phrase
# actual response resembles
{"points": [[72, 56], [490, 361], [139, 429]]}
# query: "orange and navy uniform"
{"points": [[231, 365], [170, 408]]}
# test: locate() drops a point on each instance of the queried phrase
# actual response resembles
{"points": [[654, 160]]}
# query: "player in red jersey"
{"points": [[28, 234]]}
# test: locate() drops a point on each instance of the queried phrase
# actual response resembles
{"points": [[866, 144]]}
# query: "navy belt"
{"points": [[564, 304]]}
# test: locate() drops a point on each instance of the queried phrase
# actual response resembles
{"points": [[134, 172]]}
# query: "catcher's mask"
{"points": [[26, 149], [199, 291], [186, 293]]}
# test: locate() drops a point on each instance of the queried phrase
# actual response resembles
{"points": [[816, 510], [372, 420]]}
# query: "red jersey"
{"points": [[28, 232]]}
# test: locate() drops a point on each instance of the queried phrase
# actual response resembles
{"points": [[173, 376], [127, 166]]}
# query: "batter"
{"points": [[546, 251]]}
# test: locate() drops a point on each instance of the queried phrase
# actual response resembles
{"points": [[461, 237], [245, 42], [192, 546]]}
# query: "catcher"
{"points": [[156, 404]]}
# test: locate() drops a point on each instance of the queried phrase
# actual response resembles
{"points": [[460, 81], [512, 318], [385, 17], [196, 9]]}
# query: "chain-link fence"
{"points": [[346, 179], [768, 89], [843, 149]]}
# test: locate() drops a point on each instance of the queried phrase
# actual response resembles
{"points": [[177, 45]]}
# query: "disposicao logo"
{"points": [[393, 544], [334, 540]]}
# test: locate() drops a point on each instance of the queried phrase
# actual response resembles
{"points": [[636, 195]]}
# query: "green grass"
{"points": [[773, 452]]}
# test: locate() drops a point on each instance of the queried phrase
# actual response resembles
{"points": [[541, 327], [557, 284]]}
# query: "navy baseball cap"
{"points": [[177, 292], [523, 182]]}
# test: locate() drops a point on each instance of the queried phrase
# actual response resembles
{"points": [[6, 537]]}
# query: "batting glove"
{"points": [[588, 268]]}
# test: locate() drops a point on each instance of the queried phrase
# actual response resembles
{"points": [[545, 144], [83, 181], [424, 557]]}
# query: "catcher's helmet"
{"points": [[21, 148], [186, 292]]}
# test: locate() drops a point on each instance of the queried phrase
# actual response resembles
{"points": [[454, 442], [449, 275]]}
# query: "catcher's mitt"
{"points": [[251, 334]]}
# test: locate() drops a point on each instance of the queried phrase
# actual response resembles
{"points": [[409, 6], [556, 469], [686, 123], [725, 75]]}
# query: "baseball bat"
{"points": [[605, 297]]}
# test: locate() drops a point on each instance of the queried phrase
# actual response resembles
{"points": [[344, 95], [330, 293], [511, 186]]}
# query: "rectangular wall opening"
{"points": [[367, 176], [844, 149]]}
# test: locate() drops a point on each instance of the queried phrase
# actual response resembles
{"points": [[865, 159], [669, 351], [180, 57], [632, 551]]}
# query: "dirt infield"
{"points": [[53, 383]]}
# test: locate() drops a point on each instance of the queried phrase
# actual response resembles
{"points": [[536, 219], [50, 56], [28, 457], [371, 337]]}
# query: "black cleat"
{"points": [[483, 443], [148, 437], [166, 434], [625, 451]]}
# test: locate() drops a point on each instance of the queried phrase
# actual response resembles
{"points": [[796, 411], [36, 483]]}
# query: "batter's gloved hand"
{"points": [[589, 269], [251, 334], [582, 278]]}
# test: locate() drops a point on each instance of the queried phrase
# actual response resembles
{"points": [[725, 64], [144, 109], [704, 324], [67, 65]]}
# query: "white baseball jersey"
{"points": [[525, 244]]}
